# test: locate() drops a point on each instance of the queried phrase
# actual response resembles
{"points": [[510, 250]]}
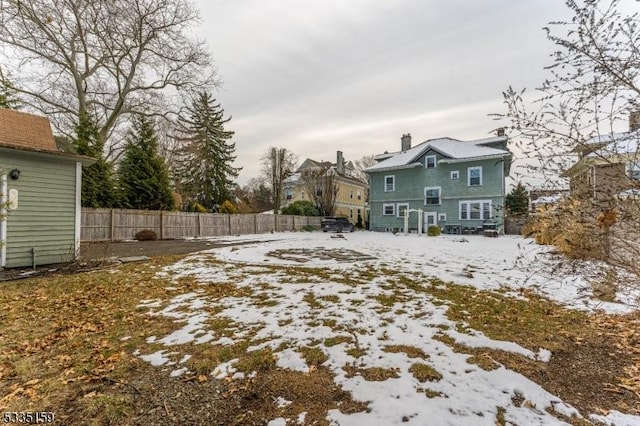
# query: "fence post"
{"points": [[199, 226], [229, 217], [113, 226], [275, 222], [255, 223], [161, 225]]}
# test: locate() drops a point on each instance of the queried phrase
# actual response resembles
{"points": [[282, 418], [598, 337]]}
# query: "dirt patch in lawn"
{"points": [[304, 255], [595, 361], [67, 345]]}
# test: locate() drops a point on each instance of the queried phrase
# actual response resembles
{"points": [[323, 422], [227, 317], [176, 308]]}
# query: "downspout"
{"points": [[33, 257], [3, 222]]}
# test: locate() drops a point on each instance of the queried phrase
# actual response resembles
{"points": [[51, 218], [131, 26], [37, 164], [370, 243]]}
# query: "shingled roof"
{"points": [[22, 130]]}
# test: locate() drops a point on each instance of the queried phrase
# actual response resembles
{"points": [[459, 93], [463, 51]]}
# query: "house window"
{"points": [[351, 195], [432, 195], [475, 210], [634, 170], [474, 176], [389, 183], [401, 208], [455, 174], [442, 217], [288, 193], [388, 209], [359, 195], [430, 161], [351, 213]]}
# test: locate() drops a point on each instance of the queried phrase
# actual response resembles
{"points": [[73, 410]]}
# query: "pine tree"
{"points": [[517, 201], [98, 189], [142, 174], [8, 97], [205, 171]]}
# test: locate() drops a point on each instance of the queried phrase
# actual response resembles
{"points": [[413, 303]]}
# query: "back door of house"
{"points": [[430, 218]]}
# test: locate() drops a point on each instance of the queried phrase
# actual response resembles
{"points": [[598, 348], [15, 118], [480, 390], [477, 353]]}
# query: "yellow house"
{"points": [[349, 191]]}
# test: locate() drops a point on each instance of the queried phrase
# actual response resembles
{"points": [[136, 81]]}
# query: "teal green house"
{"points": [[457, 185], [40, 187]]}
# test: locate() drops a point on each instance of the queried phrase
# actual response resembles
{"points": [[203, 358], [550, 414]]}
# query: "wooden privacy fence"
{"points": [[123, 224]]}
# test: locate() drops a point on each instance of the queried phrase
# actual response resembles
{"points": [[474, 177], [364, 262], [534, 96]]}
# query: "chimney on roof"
{"points": [[406, 142], [340, 163], [634, 121], [500, 131]]}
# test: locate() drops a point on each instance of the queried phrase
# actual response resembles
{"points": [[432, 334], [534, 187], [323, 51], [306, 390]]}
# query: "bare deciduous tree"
{"points": [[583, 108], [594, 85], [277, 165], [322, 187], [112, 58], [361, 164]]}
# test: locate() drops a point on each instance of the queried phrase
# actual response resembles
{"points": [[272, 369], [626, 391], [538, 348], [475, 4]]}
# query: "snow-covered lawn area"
{"points": [[349, 296]]}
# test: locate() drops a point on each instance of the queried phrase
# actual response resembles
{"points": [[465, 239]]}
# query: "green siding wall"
{"points": [[45, 217], [410, 184]]}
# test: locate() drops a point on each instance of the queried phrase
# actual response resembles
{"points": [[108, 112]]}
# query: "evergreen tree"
{"points": [[205, 172], [142, 175], [517, 201], [8, 98], [98, 189]]}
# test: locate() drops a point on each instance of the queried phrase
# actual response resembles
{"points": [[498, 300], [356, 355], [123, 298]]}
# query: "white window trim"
{"points": [[398, 208], [428, 188], [633, 168], [442, 217], [481, 202], [426, 161], [469, 175], [394, 183], [457, 174], [393, 207]]}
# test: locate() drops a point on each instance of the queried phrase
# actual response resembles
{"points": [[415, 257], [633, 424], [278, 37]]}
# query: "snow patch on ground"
{"points": [[351, 310]]}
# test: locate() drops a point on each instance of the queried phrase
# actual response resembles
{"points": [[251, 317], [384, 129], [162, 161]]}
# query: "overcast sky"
{"points": [[317, 76]]}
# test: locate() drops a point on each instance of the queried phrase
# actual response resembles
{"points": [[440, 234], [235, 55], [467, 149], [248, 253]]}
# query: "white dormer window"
{"points": [[430, 161], [455, 174]]}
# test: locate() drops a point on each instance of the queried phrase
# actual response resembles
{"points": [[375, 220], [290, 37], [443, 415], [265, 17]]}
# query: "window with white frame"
{"points": [[475, 210], [634, 170], [455, 174], [389, 183], [388, 209], [359, 195], [432, 195], [351, 195], [474, 176], [442, 217], [401, 208], [288, 193], [430, 161]]}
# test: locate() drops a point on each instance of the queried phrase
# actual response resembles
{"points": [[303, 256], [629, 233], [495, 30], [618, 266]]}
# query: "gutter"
{"points": [[469, 159], [386, 169]]}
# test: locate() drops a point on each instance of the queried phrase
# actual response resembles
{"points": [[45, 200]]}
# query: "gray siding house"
{"points": [[458, 185], [40, 193]]}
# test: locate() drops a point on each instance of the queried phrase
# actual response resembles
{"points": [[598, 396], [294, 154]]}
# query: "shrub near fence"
{"points": [[123, 224]]}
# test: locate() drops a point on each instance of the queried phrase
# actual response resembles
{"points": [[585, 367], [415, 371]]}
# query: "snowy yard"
{"points": [[372, 309]]}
